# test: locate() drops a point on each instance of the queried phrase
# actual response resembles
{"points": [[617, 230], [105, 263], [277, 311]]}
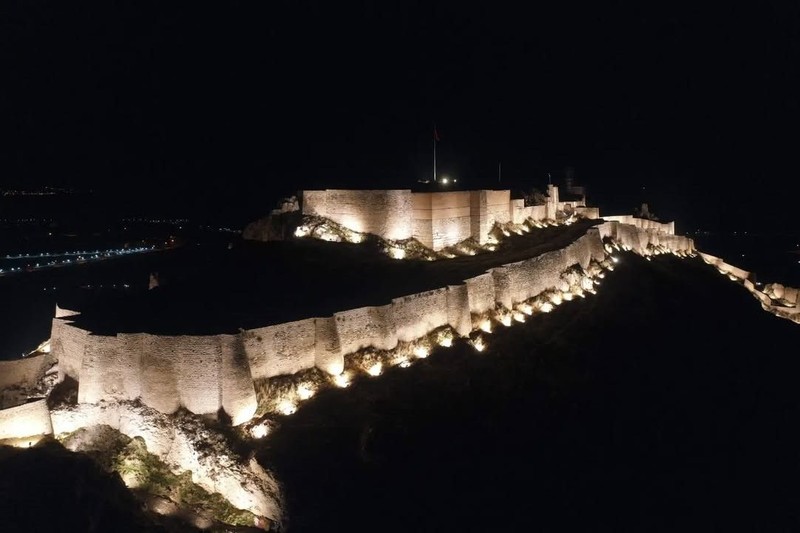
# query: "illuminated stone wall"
{"points": [[415, 315], [200, 373], [458, 315], [480, 293], [436, 219], [204, 373], [387, 213], [643, 223], [159, 379], [67, 345], [238, 393], [24, 372], [281, 349], [588, 212], [102, 371], [365, 327], [27, 420], [725, 267], [498, 207], [532, 276], [441, 219], [327, 350]]}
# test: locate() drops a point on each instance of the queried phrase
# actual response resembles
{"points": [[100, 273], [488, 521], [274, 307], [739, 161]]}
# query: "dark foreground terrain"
{"points": [[668, 402]]}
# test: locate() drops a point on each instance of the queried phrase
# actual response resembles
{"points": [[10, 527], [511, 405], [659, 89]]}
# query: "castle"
{"points": [[208, 373]]}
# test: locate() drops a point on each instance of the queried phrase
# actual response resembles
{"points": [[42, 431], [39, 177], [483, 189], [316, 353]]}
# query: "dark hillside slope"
{"points": [[667, 402]]}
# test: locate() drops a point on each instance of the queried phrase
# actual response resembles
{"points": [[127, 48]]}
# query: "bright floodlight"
{"points": [[445, 181]]}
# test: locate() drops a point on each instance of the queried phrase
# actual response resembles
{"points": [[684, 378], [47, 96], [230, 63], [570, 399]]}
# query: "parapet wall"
{"points": [[24, 372], [206, 373], [24, 421]]}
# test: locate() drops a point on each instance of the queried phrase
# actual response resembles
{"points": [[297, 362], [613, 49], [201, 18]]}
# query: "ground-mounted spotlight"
{"points": [[259, 431], [287, 407], [342, 380], [305, 391], [479, 344], [444, 338]]}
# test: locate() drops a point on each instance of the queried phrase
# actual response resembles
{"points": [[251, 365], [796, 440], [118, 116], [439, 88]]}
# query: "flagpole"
{"points": [[434, 153]]}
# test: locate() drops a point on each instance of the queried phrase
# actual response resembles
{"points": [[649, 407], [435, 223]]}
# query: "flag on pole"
{"points": [[435, 134]]}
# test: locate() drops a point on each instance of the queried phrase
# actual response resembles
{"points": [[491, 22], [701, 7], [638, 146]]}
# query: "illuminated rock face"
{"points": [[184, 444]]}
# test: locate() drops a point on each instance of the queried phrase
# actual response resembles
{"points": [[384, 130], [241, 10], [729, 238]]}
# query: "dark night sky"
{"points": [[699, 105]]}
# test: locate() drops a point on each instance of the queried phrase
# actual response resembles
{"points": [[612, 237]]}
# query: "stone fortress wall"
{"points": [[776, 298], [436, 219], [206, 373], [25, 372]]}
